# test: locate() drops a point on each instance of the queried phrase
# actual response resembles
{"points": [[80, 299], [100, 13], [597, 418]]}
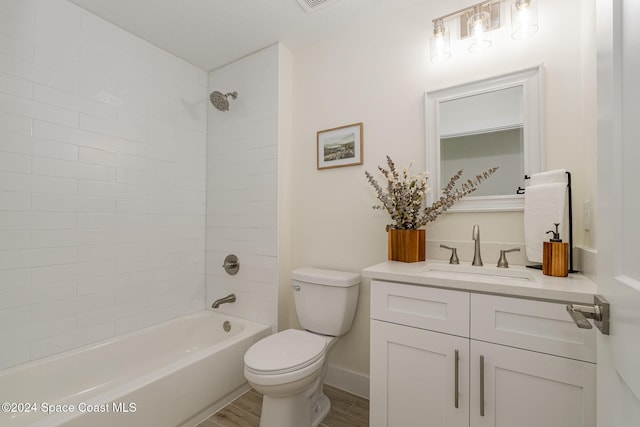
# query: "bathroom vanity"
{"points": [[457, 345]]}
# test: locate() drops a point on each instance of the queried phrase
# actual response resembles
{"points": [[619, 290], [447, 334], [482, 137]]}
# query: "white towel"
{"points": [[544, 204], [550, 177]]}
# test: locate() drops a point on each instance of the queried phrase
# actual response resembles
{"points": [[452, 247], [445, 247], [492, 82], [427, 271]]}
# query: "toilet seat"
{"points": [[285, 352]]}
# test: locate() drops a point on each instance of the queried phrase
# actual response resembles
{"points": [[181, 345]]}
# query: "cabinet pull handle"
{"points": [[455, 386], [482, 386]]}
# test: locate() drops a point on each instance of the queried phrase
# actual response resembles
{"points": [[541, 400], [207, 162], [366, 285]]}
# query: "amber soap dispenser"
{"points": [[555, 255]]}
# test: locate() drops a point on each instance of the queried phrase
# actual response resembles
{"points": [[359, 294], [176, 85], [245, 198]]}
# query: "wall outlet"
{"points": [[586, 215]]}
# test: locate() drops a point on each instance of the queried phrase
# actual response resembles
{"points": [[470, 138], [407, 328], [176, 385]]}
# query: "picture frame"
{"points": [[340, 147]]}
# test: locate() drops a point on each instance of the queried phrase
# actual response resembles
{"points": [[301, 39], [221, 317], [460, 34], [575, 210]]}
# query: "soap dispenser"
{"points": [[555, 255]]}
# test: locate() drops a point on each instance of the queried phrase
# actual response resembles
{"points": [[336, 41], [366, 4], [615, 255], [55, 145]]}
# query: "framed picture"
{"points": [[341, 146]]}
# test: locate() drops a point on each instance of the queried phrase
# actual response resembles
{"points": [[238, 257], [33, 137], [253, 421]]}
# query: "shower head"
{"points": [[220, 100]]}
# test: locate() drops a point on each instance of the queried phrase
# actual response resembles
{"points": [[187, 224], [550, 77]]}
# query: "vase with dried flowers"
{"points": [[404, 199]]}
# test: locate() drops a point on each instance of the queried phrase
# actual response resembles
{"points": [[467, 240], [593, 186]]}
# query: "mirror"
{"points": [[486, 123]]}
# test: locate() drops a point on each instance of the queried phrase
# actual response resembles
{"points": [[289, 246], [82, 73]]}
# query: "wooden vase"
{"points": [[407, 245]]}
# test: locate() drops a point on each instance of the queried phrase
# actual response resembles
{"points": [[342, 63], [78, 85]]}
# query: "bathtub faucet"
{"points": [[228, 298]]}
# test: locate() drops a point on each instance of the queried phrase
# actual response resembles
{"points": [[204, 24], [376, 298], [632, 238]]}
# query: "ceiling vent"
{"points": [[313, 5]]}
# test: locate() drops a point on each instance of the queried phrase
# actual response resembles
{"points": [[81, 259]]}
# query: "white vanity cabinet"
{"points": [[416, 333], [514, 362]]}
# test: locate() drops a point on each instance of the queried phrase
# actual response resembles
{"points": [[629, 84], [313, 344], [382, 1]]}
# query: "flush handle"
{"points": [[599, 312]]}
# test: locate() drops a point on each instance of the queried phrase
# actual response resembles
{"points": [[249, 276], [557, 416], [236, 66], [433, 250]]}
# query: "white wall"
{"points": [[102, 165], [378, 73], [102, 181], [242, 186]]}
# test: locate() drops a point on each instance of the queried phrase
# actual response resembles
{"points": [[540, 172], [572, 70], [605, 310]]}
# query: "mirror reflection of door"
{"points": [[481, 131]]}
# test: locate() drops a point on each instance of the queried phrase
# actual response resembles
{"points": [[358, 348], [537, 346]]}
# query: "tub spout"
{"points": [[228, 298]]}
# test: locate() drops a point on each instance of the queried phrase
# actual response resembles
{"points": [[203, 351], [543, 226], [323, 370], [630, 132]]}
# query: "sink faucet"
{"points": [[477, 259], [228, 298]]}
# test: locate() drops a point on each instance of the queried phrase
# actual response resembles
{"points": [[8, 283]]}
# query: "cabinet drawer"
{"points": [[533, 325], [422, 307]]}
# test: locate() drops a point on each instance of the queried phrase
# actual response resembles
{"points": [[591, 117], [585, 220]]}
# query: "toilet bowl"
{"points": [[289, 367]]}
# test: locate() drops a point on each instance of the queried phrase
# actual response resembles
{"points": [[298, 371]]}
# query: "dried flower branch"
{"points": [[405, 195]]}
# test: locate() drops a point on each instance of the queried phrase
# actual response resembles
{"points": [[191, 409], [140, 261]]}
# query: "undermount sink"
{"points": [[478, 273]]}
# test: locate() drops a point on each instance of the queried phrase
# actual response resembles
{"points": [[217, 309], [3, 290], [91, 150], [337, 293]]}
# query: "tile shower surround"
{"points": [[103, 146], [242, 187]]}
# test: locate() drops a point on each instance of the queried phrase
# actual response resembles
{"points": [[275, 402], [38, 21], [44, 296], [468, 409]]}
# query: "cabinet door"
{"points": [[528, 389], [413, 377]]}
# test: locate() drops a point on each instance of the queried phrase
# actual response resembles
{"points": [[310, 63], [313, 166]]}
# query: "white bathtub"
{"points": [[172, 374]]}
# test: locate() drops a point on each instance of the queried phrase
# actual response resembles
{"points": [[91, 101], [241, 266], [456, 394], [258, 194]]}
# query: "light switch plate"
{"points": [[586, 215]]}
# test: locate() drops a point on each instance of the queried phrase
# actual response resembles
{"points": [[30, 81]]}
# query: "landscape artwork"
{"points": [[341, 146]]}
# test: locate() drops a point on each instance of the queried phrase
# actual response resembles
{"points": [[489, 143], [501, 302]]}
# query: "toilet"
{"points": [[288, 367]]}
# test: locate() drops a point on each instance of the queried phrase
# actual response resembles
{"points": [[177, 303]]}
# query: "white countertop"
{"points": [[515, 281]]}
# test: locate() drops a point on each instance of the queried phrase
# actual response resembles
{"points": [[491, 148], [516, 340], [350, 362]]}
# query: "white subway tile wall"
{"points": [[242, 187], [103, 142]]}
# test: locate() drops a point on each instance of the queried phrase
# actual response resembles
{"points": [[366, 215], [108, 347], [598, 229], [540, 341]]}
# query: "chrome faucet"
{"points": [[228, 298], [477, 259], [502, 261]]}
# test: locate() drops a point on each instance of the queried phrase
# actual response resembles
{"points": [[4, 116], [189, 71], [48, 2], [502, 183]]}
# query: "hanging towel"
{"points": [[545, 202], [550, 177]]}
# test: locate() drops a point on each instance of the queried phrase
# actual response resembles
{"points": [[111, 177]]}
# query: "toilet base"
{"points": [[293, 411], [321, 410], [306, 409]]}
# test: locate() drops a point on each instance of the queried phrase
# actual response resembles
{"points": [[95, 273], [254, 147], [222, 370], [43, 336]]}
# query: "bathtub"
{"points": [[172, 374]]}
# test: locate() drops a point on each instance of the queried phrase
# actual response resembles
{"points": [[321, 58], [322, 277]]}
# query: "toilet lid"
{"points": [[284, 352]]}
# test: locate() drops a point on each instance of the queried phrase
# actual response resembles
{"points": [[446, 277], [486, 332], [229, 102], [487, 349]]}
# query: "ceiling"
{"points": [[213, 33]]}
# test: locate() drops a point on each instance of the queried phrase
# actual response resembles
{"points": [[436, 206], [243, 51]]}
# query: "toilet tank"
{"points": [[325, 300]]}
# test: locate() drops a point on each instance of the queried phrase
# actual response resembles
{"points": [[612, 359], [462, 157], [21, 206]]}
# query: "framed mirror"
{"points": [[486, 123]]}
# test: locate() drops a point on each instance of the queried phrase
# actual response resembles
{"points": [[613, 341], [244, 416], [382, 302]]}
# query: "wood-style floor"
{"points": [[347, 410]]}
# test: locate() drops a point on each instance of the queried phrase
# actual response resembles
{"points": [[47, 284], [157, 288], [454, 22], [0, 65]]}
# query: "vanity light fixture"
{"points": [[440, 42], [479, 29], [524, 19], [476, 23]]}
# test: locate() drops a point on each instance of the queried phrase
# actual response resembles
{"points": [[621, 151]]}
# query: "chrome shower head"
{"points": [[220, 100]]}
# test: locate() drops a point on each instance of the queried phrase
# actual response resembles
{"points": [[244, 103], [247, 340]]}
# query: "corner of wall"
{"points": [[347, 380], [586, 261], [285, 123]]}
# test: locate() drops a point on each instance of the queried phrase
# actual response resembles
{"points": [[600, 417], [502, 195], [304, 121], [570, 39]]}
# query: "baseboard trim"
{"points": [[344, 379]]}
